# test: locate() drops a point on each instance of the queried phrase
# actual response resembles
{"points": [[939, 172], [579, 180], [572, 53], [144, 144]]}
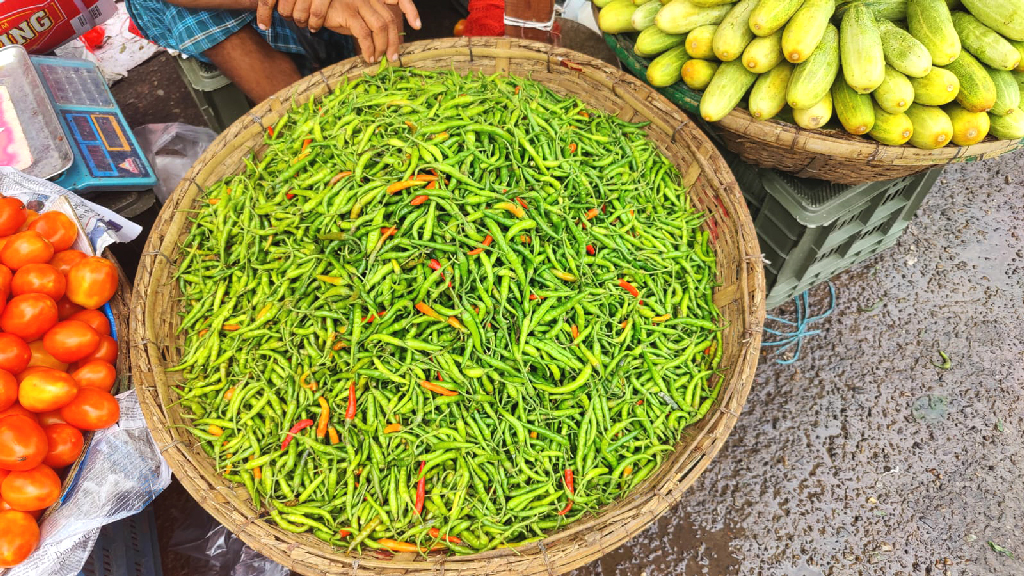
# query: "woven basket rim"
{"points": [[642, 505]]}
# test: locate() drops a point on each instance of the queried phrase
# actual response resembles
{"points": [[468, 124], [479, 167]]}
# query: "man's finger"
{"points": [[363, 37], [285, 7], [317, 14], [393, 24], [378, 27], [300, 13], [411, 14], [265, 13]]}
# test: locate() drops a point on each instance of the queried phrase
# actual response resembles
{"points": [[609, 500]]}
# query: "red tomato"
{"points": [[66, 308], [22, 443], [97, 374], [14, 353], [106, 351], [3, 474], [96, 319], [40, 357], [4, 506], [460, 28], [26, 247], [30, 216], [92, 282], [5, 284], [57, 228], [18, 410], [91, 409], [19, 536], [39, 279], [33, 489], [29, 316], [12, 215], [65, 259], [8, 389], [71, 340], [50, 418], [46, 389], [63, 445]]}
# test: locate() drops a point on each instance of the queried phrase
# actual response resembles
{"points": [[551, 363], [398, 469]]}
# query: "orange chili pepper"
{"points": [[487, 242], [350, 412], [306, 143], [402, 185], [456, 324], [522, 203], [419, 200], [325, 417], [592, 212], [572, 148], [412, 127], [337, 177], [431, 185], [396, 546], [575, 332], [438, 389], [625, 285], [215, 430], [425, 309], [332, 435], [229, 393], [391, 428], [387, 231], [425, 177], [230, 327], [533, 435], [515, 209], [214, 201]]}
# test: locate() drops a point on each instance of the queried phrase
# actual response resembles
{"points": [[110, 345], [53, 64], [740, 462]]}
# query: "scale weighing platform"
{"points": [[66, 126]]}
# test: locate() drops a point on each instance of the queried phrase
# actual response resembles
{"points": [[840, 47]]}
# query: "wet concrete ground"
{"points": [[861, 458]]}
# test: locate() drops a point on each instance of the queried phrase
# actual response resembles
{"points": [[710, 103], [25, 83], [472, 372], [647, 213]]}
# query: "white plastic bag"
{"points": [[122, 472], [171, 150]]}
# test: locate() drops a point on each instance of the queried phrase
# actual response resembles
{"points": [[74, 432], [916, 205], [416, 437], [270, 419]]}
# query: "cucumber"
{"points": [[1003, 16], [698, 42], [1019, 77], [768, 97], [1009, 126], [772, 15], [805, 29], [904, 52], [854, 110], [664, 70], [968, 127], [931, 23], [893, 10], [616, 17], [939, 87], [730, 83], [895, 94], [733, 34], [697, 74], [891, 129], [813, 77], [985, 43], [763, 53], [860, 49], [816, 116], [1007, 92], [932, 127], [653, 41], [680, 16], [977, 89], [1019, 47], [643, 17]]}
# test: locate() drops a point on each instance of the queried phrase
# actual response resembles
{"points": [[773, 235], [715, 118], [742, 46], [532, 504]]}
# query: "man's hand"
{"points": [[373, 23]]}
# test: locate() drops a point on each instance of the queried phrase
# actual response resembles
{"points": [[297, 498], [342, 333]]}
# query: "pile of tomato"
{"points": [[57, 361]]}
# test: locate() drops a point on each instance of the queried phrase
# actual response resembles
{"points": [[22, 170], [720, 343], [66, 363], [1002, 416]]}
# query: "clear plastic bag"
{"points": [[171, 150], [216, 549]]}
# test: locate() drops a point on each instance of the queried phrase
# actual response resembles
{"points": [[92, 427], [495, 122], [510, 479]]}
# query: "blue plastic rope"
{"points": [[803, 321]]}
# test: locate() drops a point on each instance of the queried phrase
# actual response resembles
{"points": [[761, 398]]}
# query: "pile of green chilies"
{"points": [[445, 311]]}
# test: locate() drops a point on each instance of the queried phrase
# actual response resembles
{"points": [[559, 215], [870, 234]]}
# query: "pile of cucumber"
{"points": [[924, 72]]}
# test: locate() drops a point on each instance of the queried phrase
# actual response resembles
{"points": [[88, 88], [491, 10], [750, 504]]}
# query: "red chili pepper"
{"points": [[572, 148], [419, 200], [571, 489], [522, 203], [270, 130], [487, 242], [435, 533], [421, 491], [434, 264], [299, 426], [629, 287], [289, 195], [534, 297], [344, 533], [388, 231], [591, 250], [350, 411], [306, 143]]}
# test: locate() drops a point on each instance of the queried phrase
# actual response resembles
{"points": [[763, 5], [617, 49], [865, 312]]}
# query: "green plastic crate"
{"points": [[220, 101], [810, 230]]}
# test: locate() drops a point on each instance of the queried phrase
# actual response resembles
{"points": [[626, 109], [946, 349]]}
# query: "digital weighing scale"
{"points": [[104, 152]]}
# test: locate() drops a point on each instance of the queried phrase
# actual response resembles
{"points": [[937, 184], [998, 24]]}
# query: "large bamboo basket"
{"points": [[740, 297], [832, 155]]}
